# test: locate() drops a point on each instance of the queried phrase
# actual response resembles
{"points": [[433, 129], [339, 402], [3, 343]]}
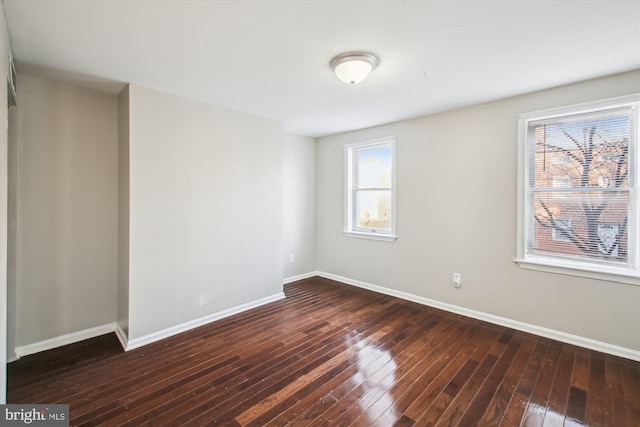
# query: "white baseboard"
{"points": [[122, 336], [291, 279], [131, 344], [553, 334], [48, 344]]}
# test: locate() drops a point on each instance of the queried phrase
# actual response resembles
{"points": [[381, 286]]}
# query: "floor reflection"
{"points": [[375, 377], [540, 415]]}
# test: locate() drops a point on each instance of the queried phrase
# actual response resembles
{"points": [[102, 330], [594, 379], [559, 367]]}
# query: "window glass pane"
{"points": [[373, 210], [589, 150], [589, 225], [374, 167], [561, 230]]}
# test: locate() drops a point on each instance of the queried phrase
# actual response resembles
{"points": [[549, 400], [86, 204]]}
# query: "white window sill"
{"points": [[596, 272], [370, 236]]}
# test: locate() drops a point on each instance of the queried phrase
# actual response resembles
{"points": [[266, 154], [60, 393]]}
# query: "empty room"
{"points": [[316, 213]]}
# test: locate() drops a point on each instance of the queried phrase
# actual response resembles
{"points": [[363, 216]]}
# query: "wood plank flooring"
{"points": [[331, 354]]}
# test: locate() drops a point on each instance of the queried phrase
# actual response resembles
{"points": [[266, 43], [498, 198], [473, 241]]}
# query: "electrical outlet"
{"points": [[457, 280], [292, 258]]}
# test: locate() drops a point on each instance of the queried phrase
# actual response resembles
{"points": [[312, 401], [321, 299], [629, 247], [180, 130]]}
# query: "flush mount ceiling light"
{"points": [[353, 67]]}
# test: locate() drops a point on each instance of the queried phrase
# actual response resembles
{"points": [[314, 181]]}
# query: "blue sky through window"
{"points": [[374, 167]]}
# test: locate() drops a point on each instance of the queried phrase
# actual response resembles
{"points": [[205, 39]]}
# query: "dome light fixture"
{"points": [[353, 67]]}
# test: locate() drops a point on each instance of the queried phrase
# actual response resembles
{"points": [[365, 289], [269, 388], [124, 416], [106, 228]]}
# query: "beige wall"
{"points": [[4, 67], [66, 254], [299, 205], [123, 210], [456, 212], [205, 210], [145, 208]]}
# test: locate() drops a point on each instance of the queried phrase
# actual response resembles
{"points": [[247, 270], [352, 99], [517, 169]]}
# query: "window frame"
{"points": [[581, 268], [350, 225]]}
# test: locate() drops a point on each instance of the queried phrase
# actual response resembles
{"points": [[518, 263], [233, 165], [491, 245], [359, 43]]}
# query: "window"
{"points": [[578, 193], [370, 196]]}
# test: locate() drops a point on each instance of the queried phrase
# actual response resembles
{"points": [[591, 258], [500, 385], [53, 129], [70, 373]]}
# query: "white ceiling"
{"points": [[271, 58]]}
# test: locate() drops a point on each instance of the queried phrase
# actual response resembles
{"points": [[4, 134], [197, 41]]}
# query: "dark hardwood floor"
{"points": [[331, 354]]}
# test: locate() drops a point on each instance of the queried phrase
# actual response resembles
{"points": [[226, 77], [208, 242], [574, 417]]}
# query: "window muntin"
{"points": [[579, 197], [370, 196]]}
